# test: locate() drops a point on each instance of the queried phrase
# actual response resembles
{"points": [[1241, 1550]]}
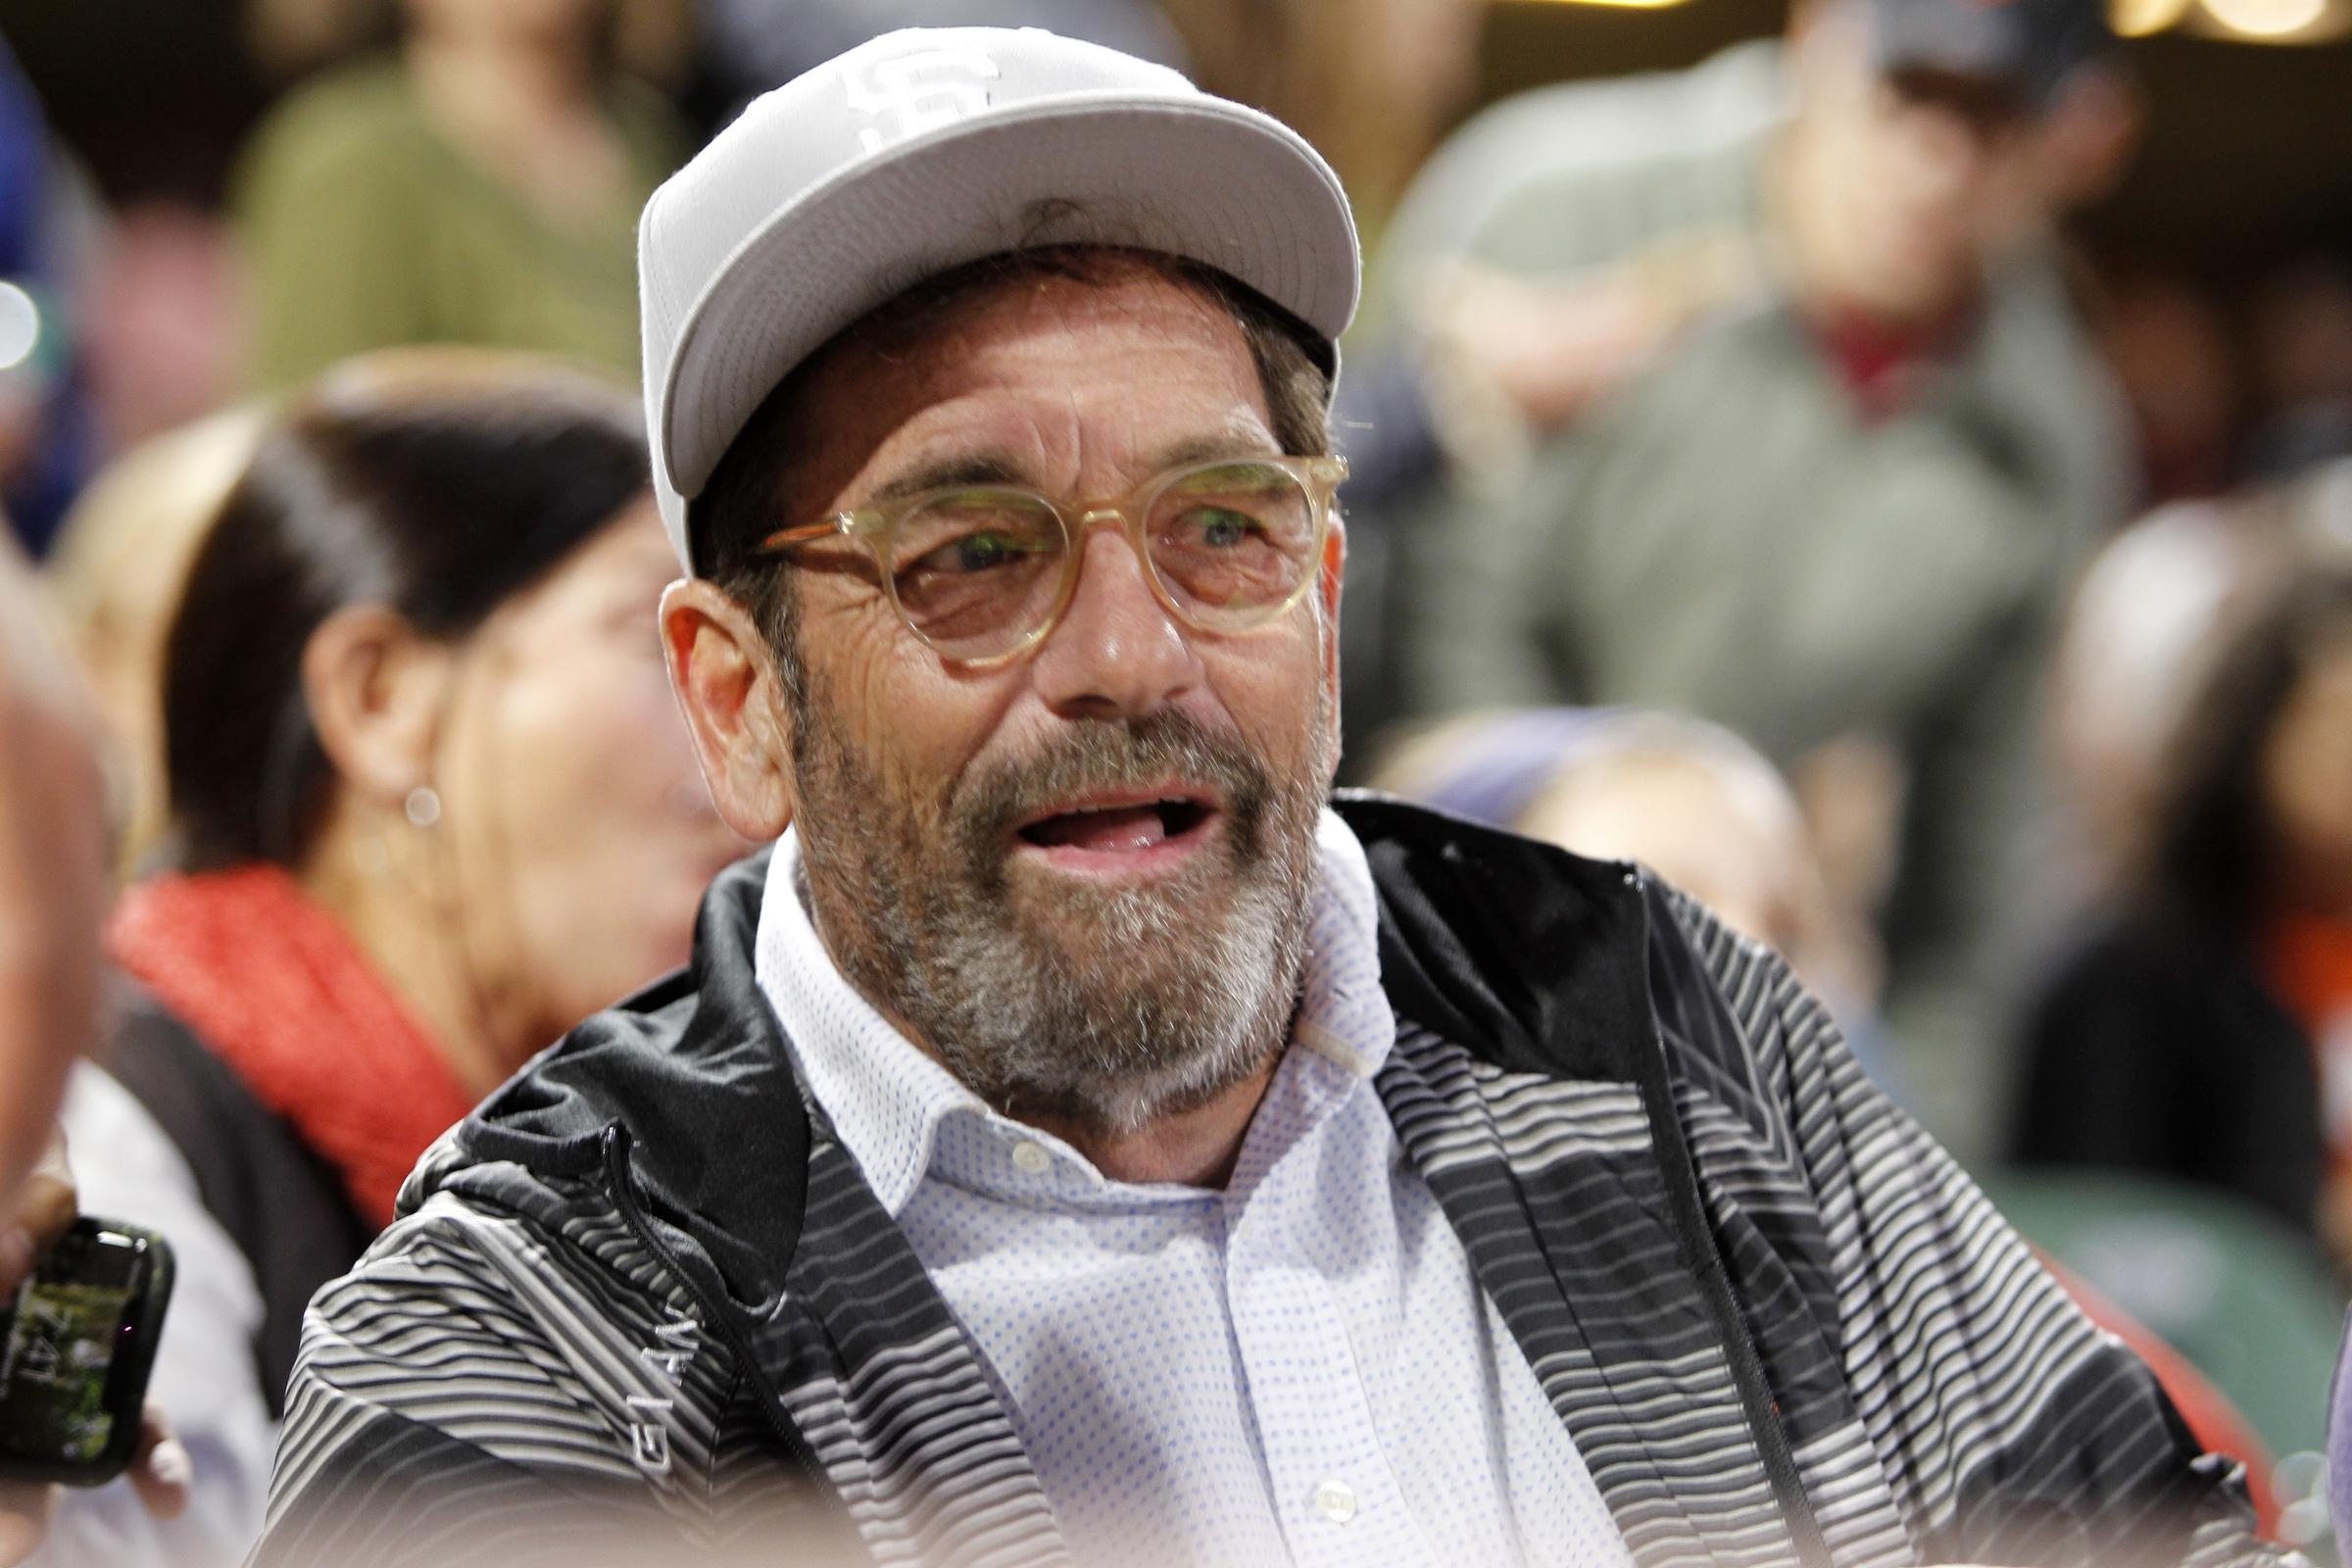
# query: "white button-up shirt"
{"points": [[1296, 1369]]}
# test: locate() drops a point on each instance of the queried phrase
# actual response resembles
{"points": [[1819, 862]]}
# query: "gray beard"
{"points": [[1105, 1008]]}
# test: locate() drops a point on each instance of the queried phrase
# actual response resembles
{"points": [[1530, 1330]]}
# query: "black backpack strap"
{"points": [[281, 1205]]}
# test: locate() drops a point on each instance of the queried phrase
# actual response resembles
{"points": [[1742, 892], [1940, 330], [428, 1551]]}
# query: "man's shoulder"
{"points": [[677, 1108], [587, 1378], [1542, 961], [554, 1249], [693, 1033], [1718, 105], [1527, 182]]}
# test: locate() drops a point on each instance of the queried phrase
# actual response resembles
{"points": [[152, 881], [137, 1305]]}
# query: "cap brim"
{"points": [[1210, 181]]}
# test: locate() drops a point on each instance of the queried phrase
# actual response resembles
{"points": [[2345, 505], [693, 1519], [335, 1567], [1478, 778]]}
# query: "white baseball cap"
{"points": [[931, 147]]}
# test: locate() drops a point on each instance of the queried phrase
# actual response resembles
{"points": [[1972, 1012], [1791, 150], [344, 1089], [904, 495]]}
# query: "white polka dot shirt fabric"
{"points": [[1296, 1369]]}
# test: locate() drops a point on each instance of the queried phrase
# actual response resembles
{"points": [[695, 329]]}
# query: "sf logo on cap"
{"points": [[906, 95]]}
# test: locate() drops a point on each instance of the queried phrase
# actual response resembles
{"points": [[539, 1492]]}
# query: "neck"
{"points": [[1194, 1148], [404, 935], [1827, 274], [484, 76], [526, 111], [1796, 214]]}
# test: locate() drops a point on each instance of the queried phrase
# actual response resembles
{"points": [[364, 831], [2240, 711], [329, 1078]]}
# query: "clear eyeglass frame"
{"points": [[876, 528]]}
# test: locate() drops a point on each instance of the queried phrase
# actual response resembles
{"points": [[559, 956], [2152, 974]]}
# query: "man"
{"points": [[1074, 1141], [52, 896], [1808, 436], [52, 893]]}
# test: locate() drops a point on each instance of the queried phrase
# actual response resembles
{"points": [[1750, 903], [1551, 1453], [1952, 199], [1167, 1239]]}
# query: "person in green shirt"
{"points": [[1770, 406], [479, 185]]}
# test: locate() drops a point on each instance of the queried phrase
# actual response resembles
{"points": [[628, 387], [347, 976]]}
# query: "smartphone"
{"points": [[76, 1346]]}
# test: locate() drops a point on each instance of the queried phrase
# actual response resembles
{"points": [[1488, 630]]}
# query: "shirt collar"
{"points": [[888, 1101]]}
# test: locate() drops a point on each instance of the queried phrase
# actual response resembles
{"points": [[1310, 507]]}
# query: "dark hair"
{"points": [[738, 508], [2209, 850], [435, 483]]}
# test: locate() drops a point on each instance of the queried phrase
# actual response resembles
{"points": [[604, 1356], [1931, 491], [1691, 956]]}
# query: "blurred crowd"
{"points": [[1754, 475]]}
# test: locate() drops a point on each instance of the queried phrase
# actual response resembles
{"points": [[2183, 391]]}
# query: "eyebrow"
{"points": [[1208, 448], [997, 468], [947, 473]]}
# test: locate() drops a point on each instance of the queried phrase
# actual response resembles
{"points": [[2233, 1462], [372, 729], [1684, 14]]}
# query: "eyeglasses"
{"points": [[981, 572]]}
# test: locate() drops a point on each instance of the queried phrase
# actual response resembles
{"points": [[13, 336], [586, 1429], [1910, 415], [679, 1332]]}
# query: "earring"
{"points": [[423, 805]]}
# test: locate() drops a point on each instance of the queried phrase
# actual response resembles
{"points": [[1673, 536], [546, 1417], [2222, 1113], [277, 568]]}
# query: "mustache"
{"points": [[1112, 754]]}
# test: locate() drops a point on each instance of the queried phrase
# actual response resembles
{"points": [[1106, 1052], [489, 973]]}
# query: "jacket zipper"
{"points": [[622, 1190], [1757, 1405]]}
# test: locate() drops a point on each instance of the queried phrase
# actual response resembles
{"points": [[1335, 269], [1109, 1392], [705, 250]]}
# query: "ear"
{"points": [[375, 690], [733, 701], [1327, 591]]}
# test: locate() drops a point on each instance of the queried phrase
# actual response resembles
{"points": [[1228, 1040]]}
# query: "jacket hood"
{"points": [[694, 1070], [1528, 955]]}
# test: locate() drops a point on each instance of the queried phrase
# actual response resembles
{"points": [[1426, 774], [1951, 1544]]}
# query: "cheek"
{"points": [[594, 740], [1275, 691], [609, 838], [909, 722]]}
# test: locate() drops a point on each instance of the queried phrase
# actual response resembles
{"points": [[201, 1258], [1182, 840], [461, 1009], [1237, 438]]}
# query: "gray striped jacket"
{"points": [[643, 1308]]}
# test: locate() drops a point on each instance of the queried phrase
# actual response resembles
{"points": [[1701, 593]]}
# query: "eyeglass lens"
{"points": [[977, 570]]}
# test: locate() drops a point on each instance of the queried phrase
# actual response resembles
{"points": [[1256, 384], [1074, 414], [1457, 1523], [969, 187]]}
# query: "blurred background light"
{"points": [[20, 326], [2277, 20], [2264, 22], [2139, 19]]}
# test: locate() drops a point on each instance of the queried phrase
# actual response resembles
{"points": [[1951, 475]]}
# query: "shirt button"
{"points": [[1335, 1500], [1031, 1158]]}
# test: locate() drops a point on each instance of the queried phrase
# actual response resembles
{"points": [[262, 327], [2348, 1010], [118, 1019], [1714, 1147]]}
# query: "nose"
{"points": [[1117, 653]]}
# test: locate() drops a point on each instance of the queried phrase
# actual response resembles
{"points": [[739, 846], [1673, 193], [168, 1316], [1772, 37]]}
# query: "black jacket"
{"points": [[645, 1295]]}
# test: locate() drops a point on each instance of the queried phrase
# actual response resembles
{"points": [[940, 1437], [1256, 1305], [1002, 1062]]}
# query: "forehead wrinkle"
{"points": [[909, 362], [1177, 320], [999, 387]]}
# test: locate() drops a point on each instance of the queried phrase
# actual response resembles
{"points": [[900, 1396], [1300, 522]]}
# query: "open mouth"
{"points": [[1120, 832]]}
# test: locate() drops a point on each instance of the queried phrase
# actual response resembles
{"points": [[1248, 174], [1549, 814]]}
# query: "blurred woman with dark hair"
{"points": [[2202, 1029], [417, 728]]}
